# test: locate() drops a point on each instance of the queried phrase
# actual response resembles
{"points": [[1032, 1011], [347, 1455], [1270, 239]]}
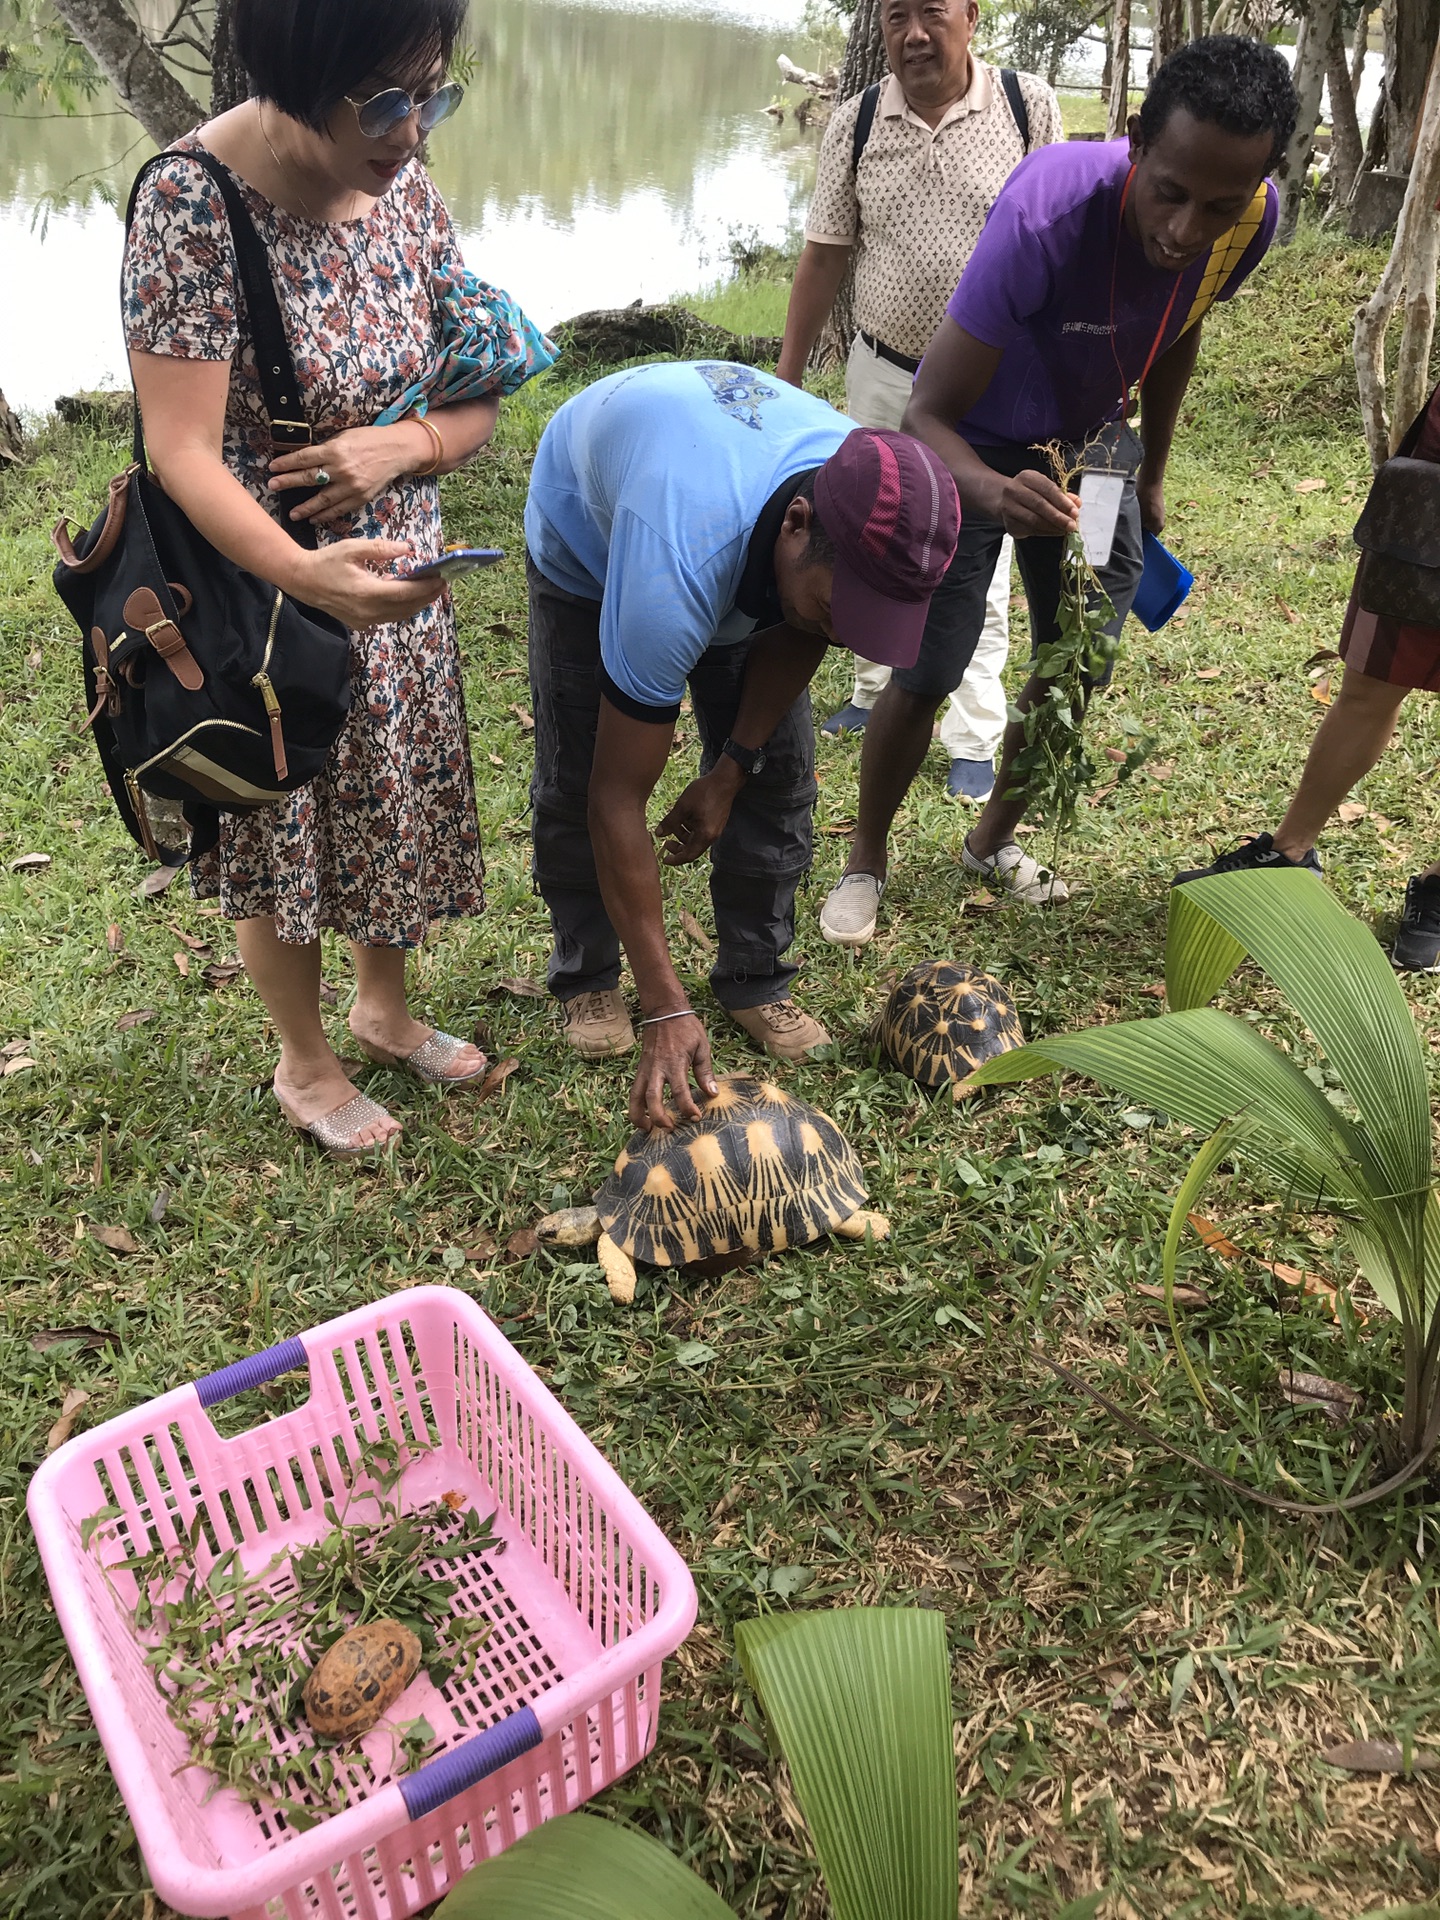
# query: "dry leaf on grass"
{"points": [[22, 1063], [1214, 1241], [1155, 991], [495, 1079], [158, 1206], [526, 989], [75, 1399], [1349, 811], [1160, 769], [1184, 1296], [89, 1339], [522, 1243], [114, 939], [1318, 658], [524, 718], [1321, 691], [12, 1047], [696, 932], [221, 972], [29, 862], [134, 1019], [1117, 754], [193, 941], [1378, 1756], [182, 963], [328, 993], [841, 828], [117, 1239], [34, 660], [1209, 673], [156, 882], [1311, 486], [484, 1249], [1314, 1390], [495, 760], [1288, 611]]}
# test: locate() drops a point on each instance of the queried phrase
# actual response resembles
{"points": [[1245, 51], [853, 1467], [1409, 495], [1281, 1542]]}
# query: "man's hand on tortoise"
{"points": [[671, 1052]]}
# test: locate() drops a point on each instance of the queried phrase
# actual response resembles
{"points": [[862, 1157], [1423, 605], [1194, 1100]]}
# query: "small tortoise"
{"points": [[360, 1677], [757, 1172], [943, 1020]]}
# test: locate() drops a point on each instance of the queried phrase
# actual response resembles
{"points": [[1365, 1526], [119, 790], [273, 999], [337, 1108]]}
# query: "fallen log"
{"points": [[612, 334]]}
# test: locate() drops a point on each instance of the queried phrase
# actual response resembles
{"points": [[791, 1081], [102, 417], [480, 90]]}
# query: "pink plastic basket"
{"points": [[585, 1601]]}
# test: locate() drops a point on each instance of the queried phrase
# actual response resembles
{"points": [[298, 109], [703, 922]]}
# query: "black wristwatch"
{"points": [[748, 759]]}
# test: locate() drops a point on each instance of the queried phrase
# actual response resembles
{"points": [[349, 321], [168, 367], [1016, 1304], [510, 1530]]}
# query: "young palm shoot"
{"points": [[1372, 1173]]}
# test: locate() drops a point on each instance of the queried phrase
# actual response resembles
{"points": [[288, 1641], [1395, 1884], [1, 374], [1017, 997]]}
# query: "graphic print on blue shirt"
{"points": [[644, 494], [738, 389]]}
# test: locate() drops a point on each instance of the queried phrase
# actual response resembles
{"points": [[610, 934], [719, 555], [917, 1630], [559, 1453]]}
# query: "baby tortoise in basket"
{"points": [[359, 1678], [944, 1020], [757, 1172]]}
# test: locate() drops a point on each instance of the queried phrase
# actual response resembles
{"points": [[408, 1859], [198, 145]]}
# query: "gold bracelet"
{"points": [[424, 473]]}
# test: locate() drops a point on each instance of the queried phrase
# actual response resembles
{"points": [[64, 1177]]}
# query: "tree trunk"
{"points": [[1345, 147], [229, 82], [1310, 50], [1119, 71], [1107, 74], [1197, 19], [12, 440], [1167, 30], [864, 61], [145, 85], [1360, 47], [1410, 274], [1412, 28]]}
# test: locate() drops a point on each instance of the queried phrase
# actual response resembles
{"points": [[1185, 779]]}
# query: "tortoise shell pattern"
{"points": [[758, 1171], [359, 1677], [943, 1021]]}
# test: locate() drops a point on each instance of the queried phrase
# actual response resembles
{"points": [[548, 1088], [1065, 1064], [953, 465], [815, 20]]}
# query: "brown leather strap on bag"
{"points": [[107, 694], [109, 533], [143, 610]]}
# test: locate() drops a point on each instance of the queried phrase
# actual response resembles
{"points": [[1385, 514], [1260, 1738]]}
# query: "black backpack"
{"points": [[870, 100], [205, 684]]}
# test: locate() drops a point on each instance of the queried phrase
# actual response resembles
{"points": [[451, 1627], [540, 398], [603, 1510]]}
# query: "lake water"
{"points": [[604, 153]]}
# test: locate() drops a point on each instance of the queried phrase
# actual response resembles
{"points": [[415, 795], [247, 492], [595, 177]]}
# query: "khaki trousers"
{"points": [[875, 395]]}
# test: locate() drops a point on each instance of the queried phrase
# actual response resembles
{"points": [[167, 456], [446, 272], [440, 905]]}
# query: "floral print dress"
{"points": [[386, 839]]}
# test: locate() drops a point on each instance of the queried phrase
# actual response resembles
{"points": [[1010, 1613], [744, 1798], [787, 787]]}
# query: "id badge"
{"points": [[1100, 497]]}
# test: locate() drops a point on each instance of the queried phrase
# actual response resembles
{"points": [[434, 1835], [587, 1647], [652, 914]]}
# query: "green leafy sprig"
{"points": [[230, 1651]]}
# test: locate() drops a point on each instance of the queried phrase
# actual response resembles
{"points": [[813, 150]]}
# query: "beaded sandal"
{"points": [[428, 1061], [336, 1131]]}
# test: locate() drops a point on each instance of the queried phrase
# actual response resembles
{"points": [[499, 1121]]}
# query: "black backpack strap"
{"points": [[1010, 81], [273, 361], [864, 121]]}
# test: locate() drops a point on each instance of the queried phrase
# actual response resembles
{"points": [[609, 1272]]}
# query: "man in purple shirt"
{"points": [[1092, 275]]}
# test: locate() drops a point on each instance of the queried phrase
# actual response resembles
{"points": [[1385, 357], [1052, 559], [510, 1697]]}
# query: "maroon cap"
{"points": [[890, 508]]}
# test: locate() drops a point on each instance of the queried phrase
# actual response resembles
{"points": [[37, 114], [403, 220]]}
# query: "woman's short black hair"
{"points": [[304, 56], [1242, 85]]}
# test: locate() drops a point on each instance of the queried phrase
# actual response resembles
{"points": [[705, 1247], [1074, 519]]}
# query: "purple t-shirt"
{"points": [[1038, 286]]}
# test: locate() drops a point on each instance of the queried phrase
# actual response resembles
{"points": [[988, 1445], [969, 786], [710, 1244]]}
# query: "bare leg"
{"points": [[896, 742], [1351, 738], [309, 1078], [381, 1014], [997, 823]]}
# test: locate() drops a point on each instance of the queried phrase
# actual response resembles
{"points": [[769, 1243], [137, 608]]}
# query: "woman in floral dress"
{"points": [[386, 839]]}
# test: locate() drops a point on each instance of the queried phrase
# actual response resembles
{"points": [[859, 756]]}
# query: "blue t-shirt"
{"points": [[1039, 286], [645, 491]]}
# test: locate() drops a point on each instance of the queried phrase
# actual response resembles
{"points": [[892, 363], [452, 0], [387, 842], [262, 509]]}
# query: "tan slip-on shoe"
{"points": [[597, 1024], [782, 1028]]}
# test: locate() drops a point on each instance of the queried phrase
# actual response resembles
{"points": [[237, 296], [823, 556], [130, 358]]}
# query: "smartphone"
{"points": [[453, 562]]}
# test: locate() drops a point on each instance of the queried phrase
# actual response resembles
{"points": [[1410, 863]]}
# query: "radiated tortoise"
{"points": [[943, 1020], [759, 1171]]}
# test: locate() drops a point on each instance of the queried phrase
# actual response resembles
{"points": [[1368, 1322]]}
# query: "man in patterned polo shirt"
{"points": [[936, 143]]}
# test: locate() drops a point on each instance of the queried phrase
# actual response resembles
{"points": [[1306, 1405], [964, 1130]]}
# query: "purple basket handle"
{"points": [[496, 1747], [253, 1371]]}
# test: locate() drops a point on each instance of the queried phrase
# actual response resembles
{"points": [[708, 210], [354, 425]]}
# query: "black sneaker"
{"points": [[1248, 857], [1417, 944]]}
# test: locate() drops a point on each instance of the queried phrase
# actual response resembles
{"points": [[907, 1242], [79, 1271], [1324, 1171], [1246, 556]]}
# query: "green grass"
{"points": [[1145, 1669]]}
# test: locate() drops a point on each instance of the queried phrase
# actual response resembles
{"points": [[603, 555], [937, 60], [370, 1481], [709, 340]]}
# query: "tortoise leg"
{"points": [[571, 1227], [618, 1268], [859, 1224]]}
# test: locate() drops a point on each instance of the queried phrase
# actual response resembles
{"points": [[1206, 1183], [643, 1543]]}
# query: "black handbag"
{"points": [[1398, 534], [204, 683]]}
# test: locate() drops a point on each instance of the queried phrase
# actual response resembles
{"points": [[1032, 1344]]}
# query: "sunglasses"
{"points": [[384, 111]]}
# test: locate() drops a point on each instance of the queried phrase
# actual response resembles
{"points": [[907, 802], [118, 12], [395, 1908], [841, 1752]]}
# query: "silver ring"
{"points": [[321, 477]]}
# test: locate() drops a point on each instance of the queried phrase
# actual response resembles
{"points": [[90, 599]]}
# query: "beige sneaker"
{"points": [[597, 1025], [782, 1028]]}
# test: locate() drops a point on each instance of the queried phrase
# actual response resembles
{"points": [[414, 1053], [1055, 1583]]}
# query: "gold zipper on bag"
{"points": [[269, 695]]}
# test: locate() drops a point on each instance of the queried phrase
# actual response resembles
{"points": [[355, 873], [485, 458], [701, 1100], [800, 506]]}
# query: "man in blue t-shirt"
{"points": [[1091, 276], [701, 525]]}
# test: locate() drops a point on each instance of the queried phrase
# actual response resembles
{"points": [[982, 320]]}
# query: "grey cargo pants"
{"points": [[755, 866]]}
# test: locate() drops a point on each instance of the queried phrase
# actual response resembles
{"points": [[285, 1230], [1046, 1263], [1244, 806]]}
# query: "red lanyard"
{"points": [[1164, 318]]}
